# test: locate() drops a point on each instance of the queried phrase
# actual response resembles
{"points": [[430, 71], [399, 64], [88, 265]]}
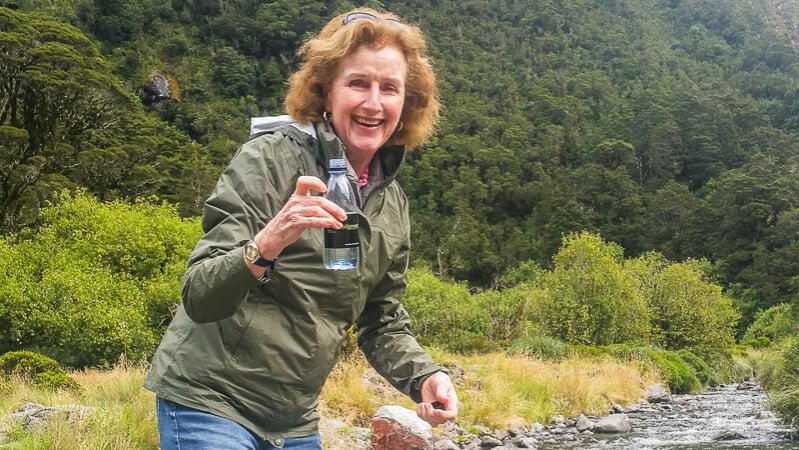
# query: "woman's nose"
{"points": [[373, 100]]}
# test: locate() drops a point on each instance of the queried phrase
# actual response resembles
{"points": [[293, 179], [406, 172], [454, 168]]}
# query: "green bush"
{"points": [[506, 313], [702, 370], [686, 310], [783, 390], [37, 369], [543, 347], [771, 325], [677, 372], [445, 314], [95, 282], [588, 351], [679, 375], [588, 298]]}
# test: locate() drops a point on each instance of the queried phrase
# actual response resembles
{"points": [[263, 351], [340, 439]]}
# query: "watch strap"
{"points": [[263, 262]]}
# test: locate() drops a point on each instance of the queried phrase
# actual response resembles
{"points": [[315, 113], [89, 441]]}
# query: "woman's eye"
{"points": [[359, 83]]}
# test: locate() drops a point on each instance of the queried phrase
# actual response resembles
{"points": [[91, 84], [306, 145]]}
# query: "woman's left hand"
{"points": [[438, 389]]}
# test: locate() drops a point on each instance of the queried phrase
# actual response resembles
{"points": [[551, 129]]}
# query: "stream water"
{"points": [[726, 417]]}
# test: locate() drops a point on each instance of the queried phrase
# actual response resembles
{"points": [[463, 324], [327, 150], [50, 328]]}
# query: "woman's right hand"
{"points": [[302, 211]]}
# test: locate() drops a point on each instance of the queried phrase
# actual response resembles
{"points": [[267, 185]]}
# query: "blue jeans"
{"points": [[184, 428]]}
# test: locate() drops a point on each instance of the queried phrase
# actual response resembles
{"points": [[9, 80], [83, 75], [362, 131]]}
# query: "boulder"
{"points": [[395, 427]]}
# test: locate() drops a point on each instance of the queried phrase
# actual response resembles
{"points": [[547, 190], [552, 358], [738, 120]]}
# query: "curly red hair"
{"points": [[322, 54]]}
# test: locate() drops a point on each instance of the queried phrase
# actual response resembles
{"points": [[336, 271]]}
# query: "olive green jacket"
{"points": [[259, 354]]}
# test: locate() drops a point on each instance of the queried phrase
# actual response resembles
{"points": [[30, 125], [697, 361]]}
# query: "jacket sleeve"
{"points": [[385, 337], [247, 195]]}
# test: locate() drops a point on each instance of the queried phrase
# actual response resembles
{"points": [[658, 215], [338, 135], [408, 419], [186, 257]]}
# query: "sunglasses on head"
{"points": [[365, 15]]}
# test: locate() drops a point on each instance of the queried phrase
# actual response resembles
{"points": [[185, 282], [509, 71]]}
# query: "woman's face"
{"points": [[366, 97]]}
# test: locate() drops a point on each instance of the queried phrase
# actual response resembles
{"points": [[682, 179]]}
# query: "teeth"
{"points": [[368, 122]]}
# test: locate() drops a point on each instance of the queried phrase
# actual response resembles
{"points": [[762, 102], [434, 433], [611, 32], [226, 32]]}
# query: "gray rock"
{"points": [[729, 435], [657, 393], [614, 423], [489, 441], [583, 423], [445, 444]]}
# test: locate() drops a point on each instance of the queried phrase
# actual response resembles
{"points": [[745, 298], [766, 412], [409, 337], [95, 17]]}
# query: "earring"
{"points": [[327, 116], [399, 127]]}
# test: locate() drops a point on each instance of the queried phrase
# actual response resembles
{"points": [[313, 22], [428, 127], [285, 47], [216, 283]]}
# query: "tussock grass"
{"points": [[505, 392], [496, 390], [124, 416]]}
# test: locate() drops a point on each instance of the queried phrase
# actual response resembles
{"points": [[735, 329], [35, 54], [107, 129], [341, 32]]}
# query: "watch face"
{"points": [[251, 251]]}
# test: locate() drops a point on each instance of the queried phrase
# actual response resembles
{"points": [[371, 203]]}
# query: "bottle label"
{"points": [[347, 236]]}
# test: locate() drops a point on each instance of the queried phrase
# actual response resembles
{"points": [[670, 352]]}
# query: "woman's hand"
{"points": [[302, 211], [439, 400]]}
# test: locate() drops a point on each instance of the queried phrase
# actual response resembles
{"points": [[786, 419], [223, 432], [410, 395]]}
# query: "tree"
{"points": [[55, 92], [687, 311], [752, 241], [588, 298]]}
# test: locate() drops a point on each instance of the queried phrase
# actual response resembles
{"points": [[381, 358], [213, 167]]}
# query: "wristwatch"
{"points": [[253, 254]]}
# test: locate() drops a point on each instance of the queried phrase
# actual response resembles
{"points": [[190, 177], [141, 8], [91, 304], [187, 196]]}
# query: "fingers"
{"points": [[435, 416], [304, 205], [440, 400], [312, 215], [305, 184]]}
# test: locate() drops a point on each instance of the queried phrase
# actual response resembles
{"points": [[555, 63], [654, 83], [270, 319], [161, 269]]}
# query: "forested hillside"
{"points": [[665, 125]]}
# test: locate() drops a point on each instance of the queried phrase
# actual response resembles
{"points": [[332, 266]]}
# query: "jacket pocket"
{"points": [[233, 328]]}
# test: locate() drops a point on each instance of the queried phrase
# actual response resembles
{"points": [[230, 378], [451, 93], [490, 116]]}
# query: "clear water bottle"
{"points": [[342, 247]]}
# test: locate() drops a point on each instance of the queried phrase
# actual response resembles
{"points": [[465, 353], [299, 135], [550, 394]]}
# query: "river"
{"points": [[726, 417]]}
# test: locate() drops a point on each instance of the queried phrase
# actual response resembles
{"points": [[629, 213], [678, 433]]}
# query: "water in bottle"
{"points": [[342, 247]]}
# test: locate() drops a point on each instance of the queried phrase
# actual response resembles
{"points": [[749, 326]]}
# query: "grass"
{"points": [[124, 415], [495, 390]]}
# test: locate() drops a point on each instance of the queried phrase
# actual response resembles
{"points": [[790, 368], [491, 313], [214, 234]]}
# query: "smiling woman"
{"points": [[262, 320], [365, 101]]}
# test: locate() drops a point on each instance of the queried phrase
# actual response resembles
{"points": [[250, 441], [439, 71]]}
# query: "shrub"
{"points": [[37, 369], [678, 374], [770, 325], [588, 298], [543, 347], [95, 281], [506, 313], [700, 367], [445, 314], [783, 391], [686, 310]]}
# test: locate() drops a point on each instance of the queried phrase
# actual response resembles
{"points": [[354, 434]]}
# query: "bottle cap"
{"points": [[337, 164]]}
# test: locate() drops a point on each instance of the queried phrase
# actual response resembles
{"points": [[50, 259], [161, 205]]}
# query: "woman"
{"points": [[262, 321]]}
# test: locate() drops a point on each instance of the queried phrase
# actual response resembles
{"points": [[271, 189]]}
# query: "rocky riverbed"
{"points": [[724, 417]]}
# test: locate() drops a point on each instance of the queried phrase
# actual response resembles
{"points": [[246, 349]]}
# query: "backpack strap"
{"points": [[298, 131]]}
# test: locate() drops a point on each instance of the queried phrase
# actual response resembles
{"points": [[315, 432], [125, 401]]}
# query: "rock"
{"points": [[445, 444], [729, 436], [489, 441], [395, 427], [583, 423], [35, 415], [765, 415], [614, 423], [657, 393], [157, 90], [525, 442]]}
